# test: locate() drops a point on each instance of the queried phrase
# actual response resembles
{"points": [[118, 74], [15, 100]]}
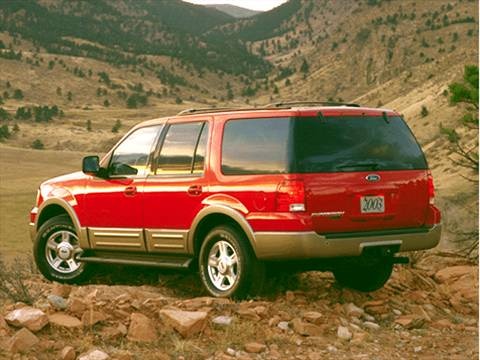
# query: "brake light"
{"points": [[431, 188], [291, 196]]}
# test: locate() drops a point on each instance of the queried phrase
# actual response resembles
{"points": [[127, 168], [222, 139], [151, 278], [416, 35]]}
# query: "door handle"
{"points": [[130, 190], [195, 190]]}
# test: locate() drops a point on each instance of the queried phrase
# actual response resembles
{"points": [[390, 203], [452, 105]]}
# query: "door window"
{"points": [[183, 150], [131, 156]]}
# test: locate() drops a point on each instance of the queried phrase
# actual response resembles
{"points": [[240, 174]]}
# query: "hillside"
{"points": [[235, 11], [94, 64]]}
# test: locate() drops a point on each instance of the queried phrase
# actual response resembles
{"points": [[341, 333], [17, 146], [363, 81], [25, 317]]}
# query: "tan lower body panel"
{"points": [[310, 245], [166, 241], [116, 239]]}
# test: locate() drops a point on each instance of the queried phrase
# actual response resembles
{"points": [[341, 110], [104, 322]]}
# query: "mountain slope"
{"points": [[235, 11]]}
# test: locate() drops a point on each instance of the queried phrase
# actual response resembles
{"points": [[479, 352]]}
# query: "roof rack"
{"points": [[276, 105], [324, 103], [216, 109]]}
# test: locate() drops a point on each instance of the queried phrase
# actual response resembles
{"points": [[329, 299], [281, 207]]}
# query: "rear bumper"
{"points": [[310, 245]]}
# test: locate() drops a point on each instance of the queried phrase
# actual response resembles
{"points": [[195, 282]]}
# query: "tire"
{"points": [[364, 277], [55, 251], [228, 266]]}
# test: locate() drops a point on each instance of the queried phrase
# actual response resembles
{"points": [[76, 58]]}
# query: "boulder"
{"points": [[451, 273], [22, 341], [305, 328], [187, 323], [94, 355], [67, 353], [343, 333], [77, 306], [57, 302], [141, 329], [64, 320], [255, 348], [29, 317], [91, 317], [313, 317]]}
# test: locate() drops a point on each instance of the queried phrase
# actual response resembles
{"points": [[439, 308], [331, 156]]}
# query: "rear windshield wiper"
{"points": [[369, 166]]}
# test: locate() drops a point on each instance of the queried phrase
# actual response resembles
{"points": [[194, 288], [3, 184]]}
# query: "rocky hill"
{"points": [[430, 311]]}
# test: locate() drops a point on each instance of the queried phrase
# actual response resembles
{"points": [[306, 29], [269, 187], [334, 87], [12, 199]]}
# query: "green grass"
{"points": [[22, 171]]}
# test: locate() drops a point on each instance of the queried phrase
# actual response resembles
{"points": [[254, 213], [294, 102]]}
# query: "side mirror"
{"points": [[91, 165]]}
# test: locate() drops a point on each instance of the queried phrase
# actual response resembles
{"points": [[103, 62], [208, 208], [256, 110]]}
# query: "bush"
{"points": [[13, 281], [4, 132], [38, 144], [89, 125], [116, 127], [424, 111], [18, 94]]}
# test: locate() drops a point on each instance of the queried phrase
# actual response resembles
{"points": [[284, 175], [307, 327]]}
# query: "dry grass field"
{"points": [[22, 171]]}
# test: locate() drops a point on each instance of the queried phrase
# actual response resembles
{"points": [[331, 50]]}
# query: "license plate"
{"points": [[372, 204]]}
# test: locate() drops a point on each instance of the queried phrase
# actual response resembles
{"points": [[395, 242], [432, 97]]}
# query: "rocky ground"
{"points": [[429, 311]]}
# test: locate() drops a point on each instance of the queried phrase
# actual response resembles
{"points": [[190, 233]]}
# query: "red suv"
{"points": [[322, 186]]}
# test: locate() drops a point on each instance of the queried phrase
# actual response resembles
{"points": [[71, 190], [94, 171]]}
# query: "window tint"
{"points": [[256, 146], [183, 143], [131, 156], [334, 144]]}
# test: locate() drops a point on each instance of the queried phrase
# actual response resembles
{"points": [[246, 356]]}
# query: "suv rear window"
{"points": [[329, 144], [256, 146], [349, 143]]}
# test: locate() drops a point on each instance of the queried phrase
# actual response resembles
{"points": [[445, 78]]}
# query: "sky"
{"points": [[262, 5]]}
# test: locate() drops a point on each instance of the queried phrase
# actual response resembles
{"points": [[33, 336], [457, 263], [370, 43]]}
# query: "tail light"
{"points": [[291, 196], [431, 188]]}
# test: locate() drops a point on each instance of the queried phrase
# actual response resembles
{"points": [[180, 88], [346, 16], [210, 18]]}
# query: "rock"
{"points": [[290, 296], [255, 347], [187, 323], [306, 329], [417, 349], [367, 317], [22, 341], [451, 273], [371, 325], [248, 314], [91, 317], [283, 325], [64, 320], [222, 320], [77, 306], [274, 320], [313, 317], [57, 302], [443, 324], [62, 290], [359, 337], [29, 317], [410, 321], [343, 333], [46, 345], [397, 312], [261, 311], [141, 329], [67, 353], [94, 355], [127, 355], [353, 310], [230, 352]]}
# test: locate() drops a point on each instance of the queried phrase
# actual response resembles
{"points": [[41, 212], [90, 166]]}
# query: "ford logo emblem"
{"points": [[372, 177]]}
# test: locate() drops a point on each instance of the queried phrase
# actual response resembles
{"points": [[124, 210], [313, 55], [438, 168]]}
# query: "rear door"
{"points": [[361, 173], [176, 186]]}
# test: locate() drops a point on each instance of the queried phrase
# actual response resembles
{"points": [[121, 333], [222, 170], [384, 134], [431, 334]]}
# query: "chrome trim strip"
{"points": [[168, 236], [329, 213], [117, 244], [167, 246], [114, 234]]}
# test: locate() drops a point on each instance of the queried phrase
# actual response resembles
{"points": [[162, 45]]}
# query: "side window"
{"points": [[256, 146], [131, 156], [183, 150]]}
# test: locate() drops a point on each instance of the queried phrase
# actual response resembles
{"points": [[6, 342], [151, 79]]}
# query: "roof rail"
{"points": [[324, 103], [216, 109]]}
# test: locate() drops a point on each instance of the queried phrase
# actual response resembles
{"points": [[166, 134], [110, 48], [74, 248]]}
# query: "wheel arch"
{"points": [[213, 216], [55, 207]]}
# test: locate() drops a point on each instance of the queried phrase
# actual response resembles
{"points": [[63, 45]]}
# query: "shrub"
{"points": [[18, 94], [38, 144], [424, 111], [116, 127], [89, 125], [4, 132], [13, 281]]}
